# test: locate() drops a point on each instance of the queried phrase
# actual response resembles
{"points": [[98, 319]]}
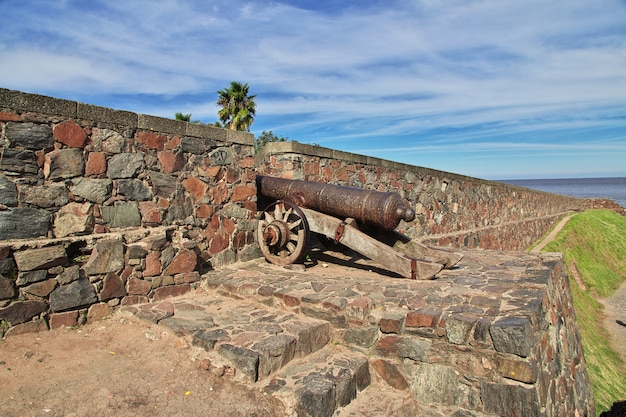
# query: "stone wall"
{"points": [[133, 206], [452, 210]]}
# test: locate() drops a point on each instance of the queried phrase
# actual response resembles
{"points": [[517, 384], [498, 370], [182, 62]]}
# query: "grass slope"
{"points": [[596, 241]]}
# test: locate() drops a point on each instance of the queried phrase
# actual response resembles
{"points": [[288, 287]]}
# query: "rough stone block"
{"points": [[96, 163], [94, 190], [316, 397], [44, 196], [29, 136], [24, 223], [501, 399], [74, 219], [8, 192], [391, 323], [459, 328], [107, 256], [65, 319], [77, 294], [41, 258], [151, 140], [163, 185], [196, 187], [19, 161], [437, 384], [125, 165], [138, 286], [70, 134], [274, 352], [112, 287], [34, 326], [122, 214], [206, 339], [171, 161], [64, 163], [244, 360], [523, 371], [41, 289], [133, 189], [7, 291], [364, 337], [312, 335], [390, 373], [22, 311], [184, 261], [98, 312], [28, 277], [170, 291], [196, 146], [427, 316], [69, 274], [513, 335]]}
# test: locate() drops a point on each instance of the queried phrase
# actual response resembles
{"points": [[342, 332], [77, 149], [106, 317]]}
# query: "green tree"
{"points": [[237, 108], [183, 117], [266, 137]]}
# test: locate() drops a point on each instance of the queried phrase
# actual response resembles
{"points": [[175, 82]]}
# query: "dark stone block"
{"points": [[506, 400], [8, 192], [22, 311], [41, 258], [133, 189], [28, 277], [275, 352], [244, 360], [77, 294], [70, 274], [64, 163], [107, 256], [7, 291], [54, 195], [24, 223], [196, 146], [125, 165], [317, 397], [206, 339], [29, 135], [512, 335], [19, 161], [364, 337], [163, 185]]}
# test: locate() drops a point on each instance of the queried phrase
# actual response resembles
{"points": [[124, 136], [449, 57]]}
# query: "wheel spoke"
{"points": [[295, 224]]}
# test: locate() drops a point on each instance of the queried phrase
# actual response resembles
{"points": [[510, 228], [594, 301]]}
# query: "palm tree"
{"points": [[237, 107]]}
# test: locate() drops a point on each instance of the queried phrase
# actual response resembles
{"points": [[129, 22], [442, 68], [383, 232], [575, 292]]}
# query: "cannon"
{"points": [[362, 220]]}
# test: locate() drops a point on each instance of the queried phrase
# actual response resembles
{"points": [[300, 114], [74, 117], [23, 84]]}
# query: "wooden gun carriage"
{"points": [[362, 220]]}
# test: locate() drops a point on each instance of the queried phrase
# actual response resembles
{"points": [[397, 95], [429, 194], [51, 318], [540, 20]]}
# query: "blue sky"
{"points": [[487, 88]]}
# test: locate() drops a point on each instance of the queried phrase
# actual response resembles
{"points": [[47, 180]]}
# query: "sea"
{"points": [[613, 188]]}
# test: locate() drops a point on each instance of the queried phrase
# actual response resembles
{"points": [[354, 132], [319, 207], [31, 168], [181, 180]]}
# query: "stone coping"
{"points": [[18, 100], [132, 234]]}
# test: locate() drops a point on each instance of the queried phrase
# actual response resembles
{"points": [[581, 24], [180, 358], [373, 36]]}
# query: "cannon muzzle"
{"points": [[379, 209]]}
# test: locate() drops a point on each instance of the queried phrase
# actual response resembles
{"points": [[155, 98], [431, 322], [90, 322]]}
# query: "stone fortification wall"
{"points": [[100, 207], [452, 210]]}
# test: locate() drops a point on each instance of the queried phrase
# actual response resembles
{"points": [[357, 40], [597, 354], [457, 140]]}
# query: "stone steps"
{"points": [[286, 355]]}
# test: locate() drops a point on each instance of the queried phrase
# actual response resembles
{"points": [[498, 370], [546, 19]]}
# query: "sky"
{"points": [[486, 88]]}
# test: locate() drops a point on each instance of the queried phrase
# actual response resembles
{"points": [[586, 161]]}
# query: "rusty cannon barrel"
{"points": [[380, 209]]}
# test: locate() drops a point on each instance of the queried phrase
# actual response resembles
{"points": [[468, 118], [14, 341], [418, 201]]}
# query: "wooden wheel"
{"points": [[283, 233]]}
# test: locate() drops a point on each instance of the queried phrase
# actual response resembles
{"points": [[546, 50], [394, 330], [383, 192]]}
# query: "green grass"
{"points": [[596, 241]]}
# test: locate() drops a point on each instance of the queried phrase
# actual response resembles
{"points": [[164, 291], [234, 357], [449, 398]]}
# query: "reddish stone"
{"points": [[171, 161], [243, 192], [173, 143], [212, 171], [134, 299], [187, 277], [219, 193], [390, 374], [96, 164], [232, 175], [391, 324], [126, 273], [162, 293], [228, 225], [388, 346], [184, 261], [70, 134], [137, 286], [152, 140], [204, 211], [219, 242], [98, 312], [196, 187], [67, 319], [423, 317], [311, 168], [239, 241], [150, 212], [247, 162], [112, 287], [342, 175], [9, 117], [153, 265], [34, 326]]}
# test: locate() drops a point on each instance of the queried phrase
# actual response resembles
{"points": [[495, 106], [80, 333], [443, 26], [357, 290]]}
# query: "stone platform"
{"points": [[495, 336]]}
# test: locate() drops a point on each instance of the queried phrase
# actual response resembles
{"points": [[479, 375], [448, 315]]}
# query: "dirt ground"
{"points": [[117, 367]]}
